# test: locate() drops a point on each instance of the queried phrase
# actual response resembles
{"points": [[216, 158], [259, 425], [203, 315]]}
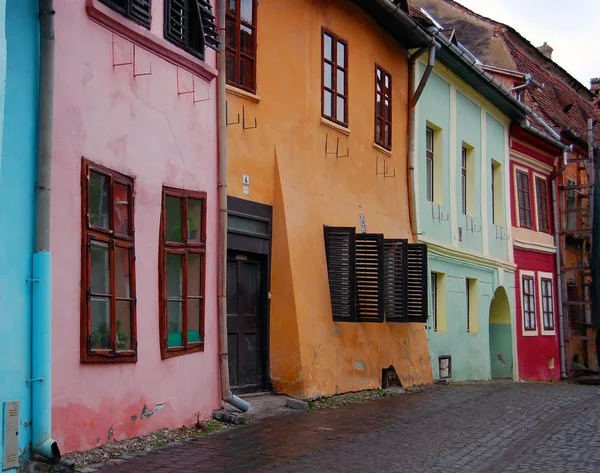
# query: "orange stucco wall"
{"points": [[288, 168]]}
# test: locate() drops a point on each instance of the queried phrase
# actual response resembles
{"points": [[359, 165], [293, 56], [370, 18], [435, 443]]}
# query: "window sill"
{"points": [[108, 359], [173, 352], [530, 333], [137, 34], [242, 93], [382, 150], [335, 126]]}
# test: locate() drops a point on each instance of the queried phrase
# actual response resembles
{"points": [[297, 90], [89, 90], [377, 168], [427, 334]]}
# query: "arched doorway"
{"points": [[501, 349]]}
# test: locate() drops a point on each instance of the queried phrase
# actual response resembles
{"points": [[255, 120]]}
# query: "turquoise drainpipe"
{"points": [[41, 330]]}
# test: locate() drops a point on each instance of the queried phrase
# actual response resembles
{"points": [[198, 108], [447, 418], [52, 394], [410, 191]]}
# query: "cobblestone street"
{"points": [[510, 427]]}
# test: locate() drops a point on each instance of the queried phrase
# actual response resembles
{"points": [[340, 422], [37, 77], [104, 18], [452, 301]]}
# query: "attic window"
{"points": [[191, 25]]}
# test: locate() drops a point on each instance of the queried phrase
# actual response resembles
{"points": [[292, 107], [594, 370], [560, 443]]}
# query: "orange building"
{"points": [[317, 115]]}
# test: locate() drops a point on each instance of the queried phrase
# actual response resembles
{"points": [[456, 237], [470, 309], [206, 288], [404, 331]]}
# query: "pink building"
{"points": [[134, 219]]}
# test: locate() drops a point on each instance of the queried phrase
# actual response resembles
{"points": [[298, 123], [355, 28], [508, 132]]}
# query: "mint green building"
{"points": [[462, 210]]}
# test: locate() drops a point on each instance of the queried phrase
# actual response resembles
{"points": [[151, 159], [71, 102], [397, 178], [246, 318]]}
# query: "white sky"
{"points": [[570, 27]]}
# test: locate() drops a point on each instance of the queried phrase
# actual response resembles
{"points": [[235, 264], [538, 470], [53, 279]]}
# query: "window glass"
{"points": [[195, 220], [99, 189], [174, 209]]}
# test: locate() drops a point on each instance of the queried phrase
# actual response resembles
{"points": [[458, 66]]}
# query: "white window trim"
{"points": [[535, 176], [540, 276], [517, 167], [528, 333]]}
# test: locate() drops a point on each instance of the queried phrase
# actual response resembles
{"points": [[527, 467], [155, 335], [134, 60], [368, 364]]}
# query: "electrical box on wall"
{"points": [[12, 411]]}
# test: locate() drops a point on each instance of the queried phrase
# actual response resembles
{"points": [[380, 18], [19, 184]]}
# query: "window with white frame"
{"points": [[528, 302], [546, 284]]}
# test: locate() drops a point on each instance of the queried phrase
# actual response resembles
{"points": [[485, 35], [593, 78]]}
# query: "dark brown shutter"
{"points": [[417, 283], [209, 24], [340, 252], [140, 11], [369, 277], [176, 21], [395, 287]]}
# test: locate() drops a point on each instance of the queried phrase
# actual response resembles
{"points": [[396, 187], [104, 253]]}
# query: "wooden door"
{"points": [[245, 322]]}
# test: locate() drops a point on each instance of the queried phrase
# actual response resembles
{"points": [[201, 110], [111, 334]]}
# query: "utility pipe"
{"points": [[426, 74], [524, 85], [226, 393], [41, 317]]}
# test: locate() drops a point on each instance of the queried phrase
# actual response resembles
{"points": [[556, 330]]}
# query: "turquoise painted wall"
{"points": [[18, 87]]}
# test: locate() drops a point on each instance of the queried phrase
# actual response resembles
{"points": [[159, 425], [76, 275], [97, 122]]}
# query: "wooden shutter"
{"points": [[209, 24], [395, 287], [140, 11], [340, 252], [417, 283], [369, 277]]}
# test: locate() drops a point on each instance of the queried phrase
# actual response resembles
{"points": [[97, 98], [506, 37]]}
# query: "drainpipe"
{"points": [[41, 323], [524, 85], [226, 393], [410, 162]]}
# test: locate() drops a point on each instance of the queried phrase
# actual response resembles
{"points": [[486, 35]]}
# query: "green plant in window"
{"points": [[100, 338], [192, 226]]}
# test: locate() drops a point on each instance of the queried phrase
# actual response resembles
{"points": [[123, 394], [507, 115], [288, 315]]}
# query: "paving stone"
{"points": [[296, 404]]}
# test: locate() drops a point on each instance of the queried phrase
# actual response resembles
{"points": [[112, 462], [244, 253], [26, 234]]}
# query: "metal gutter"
{"points": [[406, 22]]}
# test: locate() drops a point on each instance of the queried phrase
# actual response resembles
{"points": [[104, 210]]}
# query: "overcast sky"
{"points": [[570, 27]]}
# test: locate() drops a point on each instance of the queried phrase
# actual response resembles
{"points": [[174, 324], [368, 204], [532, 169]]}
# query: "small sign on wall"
{"points": [[246, 180], [363, 224]]}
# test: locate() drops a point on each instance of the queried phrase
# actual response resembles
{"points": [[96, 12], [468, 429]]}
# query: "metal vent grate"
{"points": [[11, 434]]}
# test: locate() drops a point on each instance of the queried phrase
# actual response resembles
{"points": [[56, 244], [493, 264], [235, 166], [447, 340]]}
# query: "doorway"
{"points": [[501, 349], [247, 334]]}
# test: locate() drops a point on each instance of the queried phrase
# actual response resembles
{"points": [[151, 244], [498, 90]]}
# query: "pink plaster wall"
{"points": [[141, 127]]}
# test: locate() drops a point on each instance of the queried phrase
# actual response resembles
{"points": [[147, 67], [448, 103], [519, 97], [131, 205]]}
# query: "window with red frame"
{"points": [[383, 108], [108, 315], [240, 40], [523, 197], [182, 279], [335, 78], [541, 192]]}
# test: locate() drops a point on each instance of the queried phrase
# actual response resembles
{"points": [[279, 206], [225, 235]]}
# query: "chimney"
{"points": [[595, 86], [546, 50]]}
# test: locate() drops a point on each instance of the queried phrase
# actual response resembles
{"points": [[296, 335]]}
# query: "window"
{"points": [[571, 201], [108, 322], [240, 36], [136, 10], [191, 25], [183, 238], [445, 366], [383, 108], [434, 300], [372, 278], [528, 303], [541, 192], [472, 300], [335, 78], [547, 305], [523, 199], [497, 209], [429, 151], [464, 179]]}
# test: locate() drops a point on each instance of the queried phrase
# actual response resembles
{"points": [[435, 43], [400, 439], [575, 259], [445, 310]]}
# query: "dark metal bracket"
{"points": [[501, 233], [244, 127], [440, 214], [337, 148], [386, 174], [227, 122]]}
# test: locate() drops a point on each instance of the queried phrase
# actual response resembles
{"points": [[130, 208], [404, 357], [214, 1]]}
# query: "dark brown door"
{"points": [[245, 322]]}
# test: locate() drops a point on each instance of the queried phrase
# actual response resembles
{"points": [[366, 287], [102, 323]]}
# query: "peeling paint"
{"points": [[335, 331], [149, 413], [110, 434], [360, 365]]}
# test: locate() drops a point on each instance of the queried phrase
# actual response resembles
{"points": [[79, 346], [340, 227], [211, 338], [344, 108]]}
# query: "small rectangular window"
{"points": [[523, 197], [108, 267], [434, 300], [528, 290], [464, 179], [335, 78], [472, 300], [182, 277], [240, 34], [139, 11], [547, 304], [496, 184], [541, 192], [383, 108], [429, 152]]}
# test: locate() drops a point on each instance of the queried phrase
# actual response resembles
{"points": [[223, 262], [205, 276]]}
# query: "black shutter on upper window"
{"points": [[140, 11], [369, 278], [395, 289], [209, 24], [176, 22], [417, 283], [340, 252]]}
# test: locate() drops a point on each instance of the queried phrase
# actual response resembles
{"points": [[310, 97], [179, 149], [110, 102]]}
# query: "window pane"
{"points": [[341, 111], [378, 130], [230, 67], [98, 200], [100, 268], [429, 140], [386, 135], [194, 315], [247, 41], [327, 103], [387, 82], [195, 220], [122, 276], [430, 180], [174, 276], [232, 6], [100, 323], [175, 324], [341, 55], [327, 47], [341, 86], [247, 7], [230, 34], [121, 209], [173, 208], [123, 309], [235, 222], [328, 75], [246, 73], [194, 274], [386, 110]]}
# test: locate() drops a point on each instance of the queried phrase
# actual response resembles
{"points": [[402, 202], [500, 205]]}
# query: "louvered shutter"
{"points": [[340, 253], [176, 21], [209, 24], [369, 278], [395, 285], [417, 283], [140, 11]]}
